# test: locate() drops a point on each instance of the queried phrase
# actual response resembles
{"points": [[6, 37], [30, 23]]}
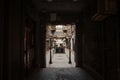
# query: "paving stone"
{"points": [[60, 60], [61, 74]]}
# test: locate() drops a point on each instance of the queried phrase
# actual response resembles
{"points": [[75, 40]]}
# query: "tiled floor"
{"points": [[60, 60], [60, 74]]}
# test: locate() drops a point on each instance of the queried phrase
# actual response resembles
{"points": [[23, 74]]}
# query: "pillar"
{"points": [[37, 45], [42, 39], [78, 45], [69, 39], [50, 61]]}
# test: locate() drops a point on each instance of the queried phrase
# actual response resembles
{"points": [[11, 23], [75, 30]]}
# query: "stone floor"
{"points": [[60, 69], [60, 60], [60, 74]]}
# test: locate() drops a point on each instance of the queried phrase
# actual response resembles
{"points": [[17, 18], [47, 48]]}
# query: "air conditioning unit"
{"points": [[104, 9]]}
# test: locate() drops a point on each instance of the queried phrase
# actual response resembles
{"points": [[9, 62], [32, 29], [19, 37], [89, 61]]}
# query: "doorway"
{"points": [[60, 40]]}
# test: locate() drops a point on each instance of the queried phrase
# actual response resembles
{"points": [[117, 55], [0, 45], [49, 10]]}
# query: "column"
{"points": [[37, 44], [70, 51], [78, 45], [42, 40], [50, 62]]}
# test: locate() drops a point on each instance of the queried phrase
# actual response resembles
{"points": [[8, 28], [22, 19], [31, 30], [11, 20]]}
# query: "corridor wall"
{"points": [[97, 44], [1, 37], [100, 47], [11, 60]]}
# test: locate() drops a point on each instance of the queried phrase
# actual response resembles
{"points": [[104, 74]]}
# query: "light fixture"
{"points": [[49, 0], [75, 0], [59, 41], [59, 27]]}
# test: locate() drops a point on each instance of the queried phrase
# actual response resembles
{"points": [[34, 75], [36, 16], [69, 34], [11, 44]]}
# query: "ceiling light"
{"points": [[59, 27], [50, 0], [75, 0]]}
